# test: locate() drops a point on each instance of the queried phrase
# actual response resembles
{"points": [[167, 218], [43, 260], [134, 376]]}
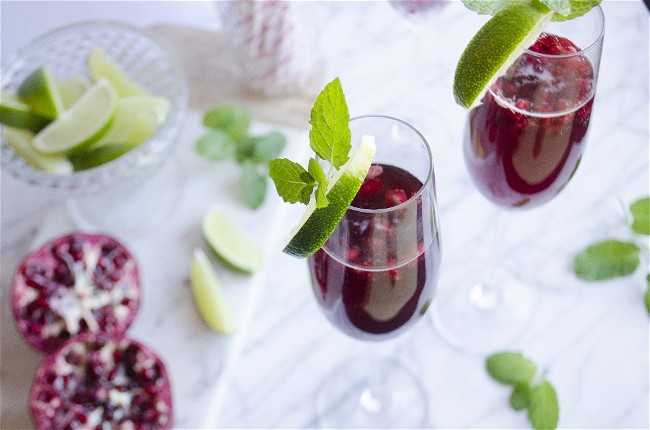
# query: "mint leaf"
{"points": [[253, 186], [215, 145], [293, 183], [520, 396], [543, 407], [647, 294], [316, 171], [640, 211], [261, 149], [606, 260], [234, 120], [330, 132], [491, 7], [563, 7], [510, 368], [576, 8]]}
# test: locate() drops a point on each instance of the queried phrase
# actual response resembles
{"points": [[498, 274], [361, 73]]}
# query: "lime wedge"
{"points": [[229, 243], [101, 65], [71, 89], [136, 119], [82, 124], [209, 296], [40, 93], [98, 155], [318, 224], [15, 113], [21, 142], [494, 48]]}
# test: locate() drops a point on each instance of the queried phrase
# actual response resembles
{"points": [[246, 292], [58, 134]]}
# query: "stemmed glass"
{"points": [[376, 276], [522, 145]]}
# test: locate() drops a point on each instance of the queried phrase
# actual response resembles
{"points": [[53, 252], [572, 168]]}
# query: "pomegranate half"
{"points": [[74, 284], [101, 381]]}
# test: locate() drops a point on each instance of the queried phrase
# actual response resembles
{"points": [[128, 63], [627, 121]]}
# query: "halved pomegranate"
{"points": [[74, 284], [101, 381]]}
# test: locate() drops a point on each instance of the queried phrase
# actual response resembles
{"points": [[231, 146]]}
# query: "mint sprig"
{"points": [[530, 390], [564, 9], [613, 258], [227, 137], [330, 138]]}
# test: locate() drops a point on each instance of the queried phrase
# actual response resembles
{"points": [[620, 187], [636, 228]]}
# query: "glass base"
{"points": [[482, 317], [131, 207], [371, 393]]}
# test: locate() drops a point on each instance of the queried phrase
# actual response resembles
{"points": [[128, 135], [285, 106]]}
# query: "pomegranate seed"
{"points": [[395, 197], [370, 188]]}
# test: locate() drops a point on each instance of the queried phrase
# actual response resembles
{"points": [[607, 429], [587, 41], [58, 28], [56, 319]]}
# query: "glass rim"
{"points": [[425, 183], [598, 40]]}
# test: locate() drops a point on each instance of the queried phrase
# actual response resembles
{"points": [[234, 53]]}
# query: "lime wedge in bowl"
{"points": [[82, 124], [229, 243], [494, 48], [318, 224], [21, 142], [71, 89], [15, 113], [40, 92], [136, 119], [209, 296], [101, 65]]}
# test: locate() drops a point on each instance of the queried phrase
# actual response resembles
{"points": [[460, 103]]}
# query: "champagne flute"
{"points": [[522, 145], [376, 276]]}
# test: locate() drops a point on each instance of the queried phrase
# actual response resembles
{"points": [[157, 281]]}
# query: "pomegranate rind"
{"points": [[48, 312], [66, 388]]}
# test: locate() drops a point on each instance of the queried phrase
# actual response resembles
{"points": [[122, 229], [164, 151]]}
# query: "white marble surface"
{"points": [[592, 339]]}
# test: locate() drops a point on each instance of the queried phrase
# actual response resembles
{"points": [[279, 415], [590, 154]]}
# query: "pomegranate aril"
{"points": [[370, 188], [395, 197]]}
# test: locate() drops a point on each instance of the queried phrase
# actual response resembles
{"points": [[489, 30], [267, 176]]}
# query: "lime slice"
{"points": [[21, 142], [136, 119], [98, 155], [82, 124], [71, 89], [15, 113], [229, 243], [318, 224], [101, 65], [40, 93], [494, 48], [209, 296]]}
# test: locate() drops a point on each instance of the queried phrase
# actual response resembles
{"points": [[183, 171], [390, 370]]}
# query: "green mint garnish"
{"points": [[330, 139], [317, 172], [564, 9], [640, 211], [530, 390], [293, 182], [234, 120], [228, 137], [510, 368], [606, 260], [329, 136], [543, 407], [647, 294]]}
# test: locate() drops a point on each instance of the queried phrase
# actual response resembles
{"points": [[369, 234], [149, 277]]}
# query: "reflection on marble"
{"points": [[591, 339]]}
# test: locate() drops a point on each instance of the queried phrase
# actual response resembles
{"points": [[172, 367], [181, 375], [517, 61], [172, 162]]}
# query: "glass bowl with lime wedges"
{"points": [[91, 112]]}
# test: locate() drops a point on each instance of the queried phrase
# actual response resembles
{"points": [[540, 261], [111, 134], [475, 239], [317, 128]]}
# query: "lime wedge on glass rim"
{"points": [[82, 124], [494, 48], [209, 296], [318, 224], [229, 243]]}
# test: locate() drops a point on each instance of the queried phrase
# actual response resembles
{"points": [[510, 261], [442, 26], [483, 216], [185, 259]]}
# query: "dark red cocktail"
{"points": [[524, 143], [377, 274]]}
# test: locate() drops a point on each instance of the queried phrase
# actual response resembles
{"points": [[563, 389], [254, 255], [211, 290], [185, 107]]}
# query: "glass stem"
{"points": [[486, 294]]}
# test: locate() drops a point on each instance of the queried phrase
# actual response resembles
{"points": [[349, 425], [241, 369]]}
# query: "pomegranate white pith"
{"points": [[74, 284]]}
